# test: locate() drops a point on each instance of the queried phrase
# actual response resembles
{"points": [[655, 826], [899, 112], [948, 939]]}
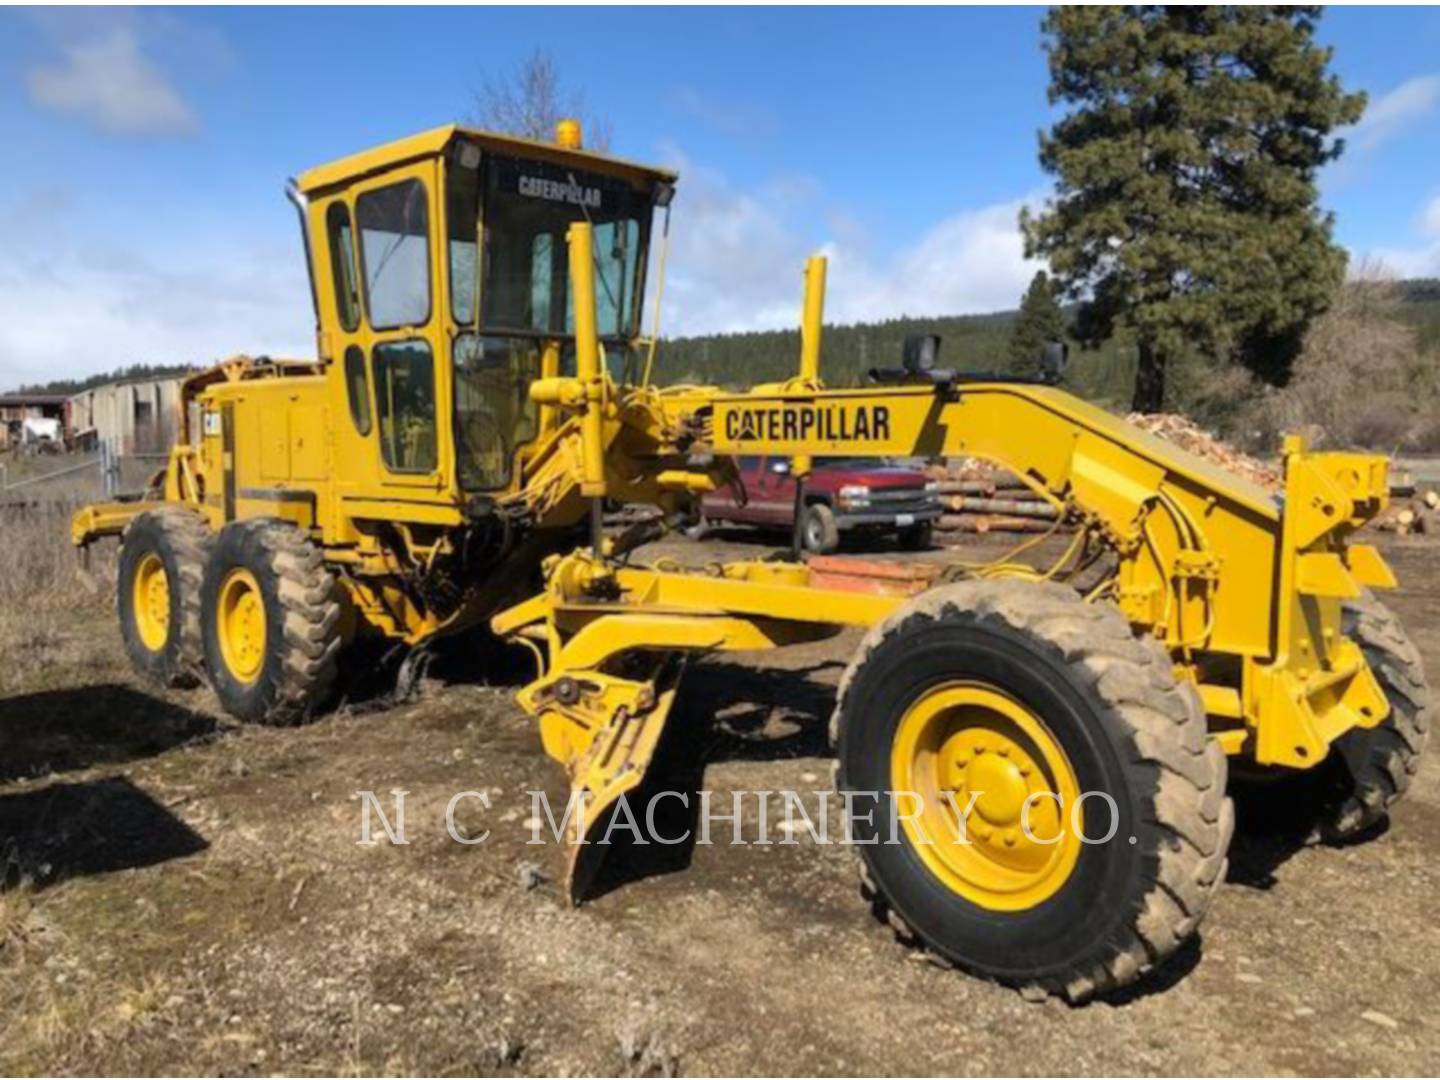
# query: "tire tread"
{"points": [[1165, 729]]}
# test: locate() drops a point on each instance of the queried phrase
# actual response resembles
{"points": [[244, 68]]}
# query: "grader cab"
{"points": [[1039, 753]]}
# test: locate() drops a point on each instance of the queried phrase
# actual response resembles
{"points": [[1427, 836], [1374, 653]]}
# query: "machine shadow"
{"points": [[94, 827], [725, 724], [761, 714], [57, 731], [371, 670], [1276, 820]]}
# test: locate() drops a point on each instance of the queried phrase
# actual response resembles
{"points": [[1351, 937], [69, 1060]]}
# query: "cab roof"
{"points": [[433, 142]]}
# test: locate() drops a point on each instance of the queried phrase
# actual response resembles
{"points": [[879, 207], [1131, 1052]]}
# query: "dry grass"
{"points": [[23, 930], [39, 567], [44, 592]]}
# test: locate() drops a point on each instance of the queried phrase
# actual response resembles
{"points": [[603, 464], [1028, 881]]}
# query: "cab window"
{"points": [[359, 389], [342, 264], [405, 403], [493, 411], [462, 199], [395, 254]]}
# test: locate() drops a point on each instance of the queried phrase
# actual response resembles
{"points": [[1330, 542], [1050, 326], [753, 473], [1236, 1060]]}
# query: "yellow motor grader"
{"points": [[1044, 749]]}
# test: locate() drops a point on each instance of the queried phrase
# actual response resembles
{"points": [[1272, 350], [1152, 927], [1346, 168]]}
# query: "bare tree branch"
{"points": [[531, 100]]}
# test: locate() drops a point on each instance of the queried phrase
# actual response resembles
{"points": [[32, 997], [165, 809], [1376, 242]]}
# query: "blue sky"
{"points": [[141, 208]]}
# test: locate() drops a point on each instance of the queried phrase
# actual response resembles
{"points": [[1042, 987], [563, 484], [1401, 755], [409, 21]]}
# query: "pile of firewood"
{"points": [[978, 497], [1187, 435], [1410, 511]]}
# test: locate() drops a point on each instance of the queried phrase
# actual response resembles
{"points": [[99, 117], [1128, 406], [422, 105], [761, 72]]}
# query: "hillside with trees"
{"points": [[126, 373]]}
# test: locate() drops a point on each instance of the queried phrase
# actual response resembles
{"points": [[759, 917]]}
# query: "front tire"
{"points": [[162, 560], [916, 537], [818, 529], [271, 623], [699, 529], [1024, 689]]}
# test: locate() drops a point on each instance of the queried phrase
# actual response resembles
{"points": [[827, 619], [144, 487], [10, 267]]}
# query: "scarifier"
{"points": [[482, 390]]}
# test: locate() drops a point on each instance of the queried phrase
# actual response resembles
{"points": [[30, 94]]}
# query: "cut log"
{"points": [[984, 523], [966, 487], [982, 486], [1033, 508]]}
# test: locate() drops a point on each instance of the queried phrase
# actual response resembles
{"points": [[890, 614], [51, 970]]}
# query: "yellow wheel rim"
{"points": [[151, 601], [240, 616], [974, 759]]}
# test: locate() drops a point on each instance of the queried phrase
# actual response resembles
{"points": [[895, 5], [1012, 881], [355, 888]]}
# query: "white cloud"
{"points": [[1421, 260], [737, 257], [72, 308], [973, 261], [73, 304], [1430, 218], [1390, 113], [106, 81], [736, 119]]}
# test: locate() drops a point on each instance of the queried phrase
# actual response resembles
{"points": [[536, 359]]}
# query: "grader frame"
{"points": [[1241, 594]]}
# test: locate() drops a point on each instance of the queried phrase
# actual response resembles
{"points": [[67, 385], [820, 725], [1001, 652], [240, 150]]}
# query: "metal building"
{"points": [[132, 416]]}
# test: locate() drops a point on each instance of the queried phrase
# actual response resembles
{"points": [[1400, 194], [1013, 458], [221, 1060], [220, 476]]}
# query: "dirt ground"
{"points": [[197, 902]]}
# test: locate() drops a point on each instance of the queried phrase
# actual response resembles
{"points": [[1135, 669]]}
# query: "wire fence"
{"points": [[68, 479]]}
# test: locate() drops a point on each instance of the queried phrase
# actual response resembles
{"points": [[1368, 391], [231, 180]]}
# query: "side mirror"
{"points": [[780, 467], [1053, 360], [921, 352]]}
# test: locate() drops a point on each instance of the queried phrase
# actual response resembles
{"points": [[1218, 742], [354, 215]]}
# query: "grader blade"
{"points": [[614, 769], [605, 730]]}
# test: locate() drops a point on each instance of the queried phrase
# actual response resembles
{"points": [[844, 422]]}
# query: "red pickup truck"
{"points": [[841, 495]]}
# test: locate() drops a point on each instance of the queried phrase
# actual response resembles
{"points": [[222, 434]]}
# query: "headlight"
{"points": [[854, 495], [932, 487]]}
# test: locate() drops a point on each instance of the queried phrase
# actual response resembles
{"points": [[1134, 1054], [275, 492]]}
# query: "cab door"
{"points": [[337, 282], [395, 216]]}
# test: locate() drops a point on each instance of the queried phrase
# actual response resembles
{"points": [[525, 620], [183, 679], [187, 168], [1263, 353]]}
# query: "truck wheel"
{"points": [[985, 697], [916, 537], [1374, 766], [818, 529], [699, 529], [162, 558], [271, 616]]}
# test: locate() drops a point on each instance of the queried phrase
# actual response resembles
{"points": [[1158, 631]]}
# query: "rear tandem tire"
{"points": [[1020, 680], [1374, 766], [162, 560], [270, 611]]}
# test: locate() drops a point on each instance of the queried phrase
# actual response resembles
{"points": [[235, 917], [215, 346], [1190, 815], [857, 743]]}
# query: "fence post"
{"points": [[108, 468]]}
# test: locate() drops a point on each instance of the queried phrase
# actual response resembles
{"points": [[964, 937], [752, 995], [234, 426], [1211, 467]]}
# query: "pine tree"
{"points": [[1038, 321], [1185, 211]]}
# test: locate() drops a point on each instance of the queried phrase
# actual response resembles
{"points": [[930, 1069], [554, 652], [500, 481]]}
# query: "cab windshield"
{"points": [[525, 208]]}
